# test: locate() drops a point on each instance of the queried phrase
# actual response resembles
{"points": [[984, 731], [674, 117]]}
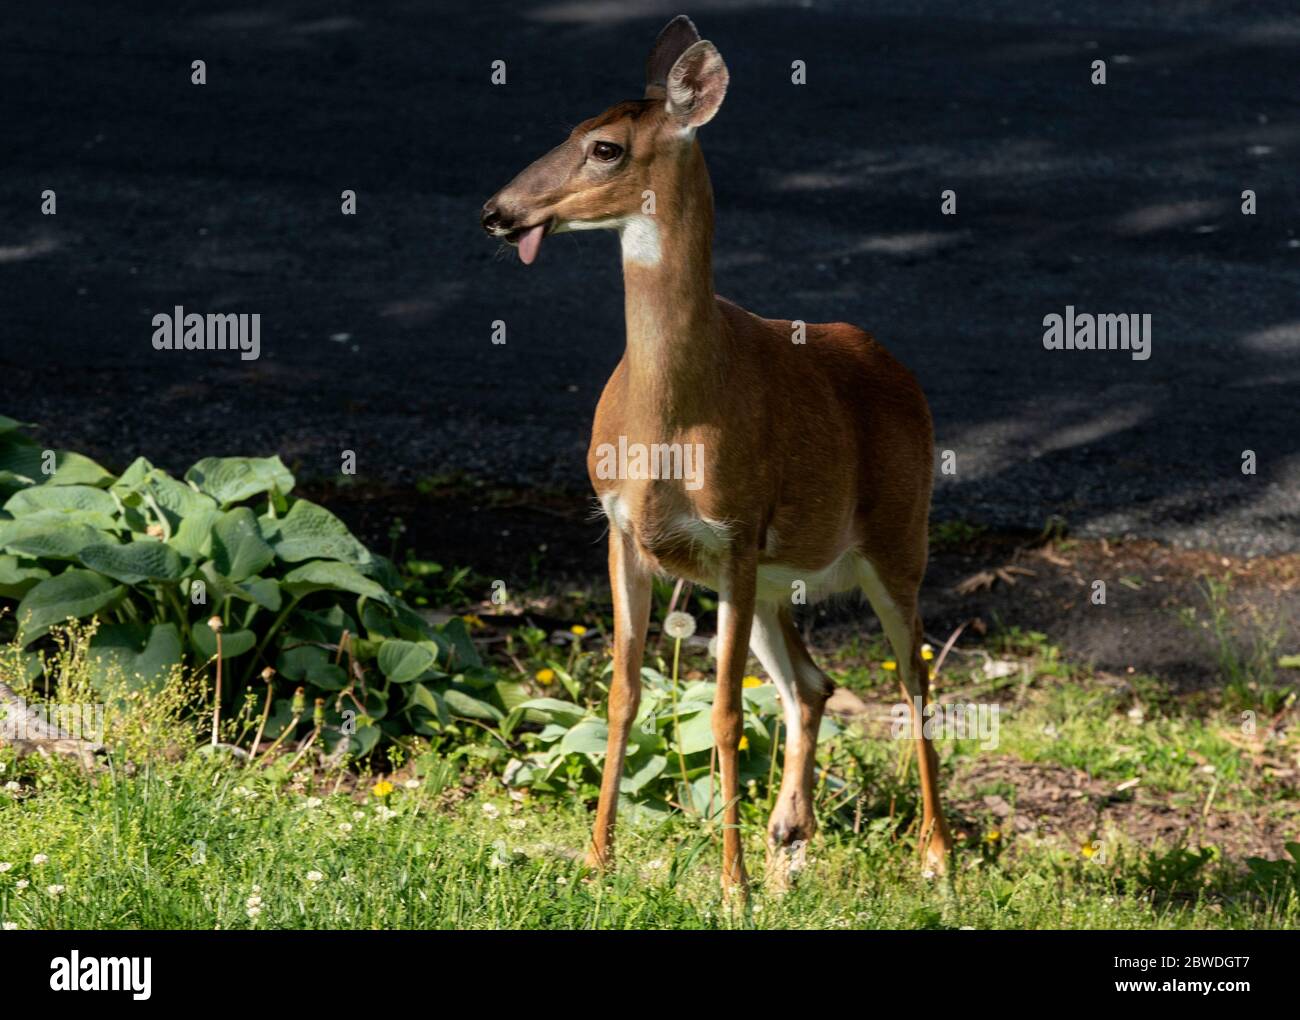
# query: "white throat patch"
{"points": [[640, 237]]}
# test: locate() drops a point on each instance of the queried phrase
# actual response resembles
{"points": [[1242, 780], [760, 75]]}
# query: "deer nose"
{"points": [[493, 220]]}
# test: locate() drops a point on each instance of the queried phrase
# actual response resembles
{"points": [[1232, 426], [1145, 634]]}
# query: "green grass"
{"points": [[185, 845]]}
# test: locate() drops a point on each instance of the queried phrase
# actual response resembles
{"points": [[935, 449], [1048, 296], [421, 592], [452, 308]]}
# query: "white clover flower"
{"points": [[253, 902], [40, 859], [679, 625], [54, 890], [10, 926], [492, 811], [252, 913], [314, 802], [12, 787], [384, 813], [345, 827], [315, 876], [23, 884], [5, 866], [412, 784], [358, 815]]}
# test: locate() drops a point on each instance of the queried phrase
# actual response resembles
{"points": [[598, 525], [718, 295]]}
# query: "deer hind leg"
{"points": [[895, 604], [804, 690]]}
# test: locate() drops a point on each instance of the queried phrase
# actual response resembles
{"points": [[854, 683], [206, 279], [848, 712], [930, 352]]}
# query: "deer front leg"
{"points": [[631, 583], [735, 617]]}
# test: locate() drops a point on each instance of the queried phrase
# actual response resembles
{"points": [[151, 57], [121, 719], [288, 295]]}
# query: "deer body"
{"points": [[816, 456]]}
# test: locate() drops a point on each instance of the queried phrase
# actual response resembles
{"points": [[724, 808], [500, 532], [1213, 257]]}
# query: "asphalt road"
{"points": [[376, 329]]}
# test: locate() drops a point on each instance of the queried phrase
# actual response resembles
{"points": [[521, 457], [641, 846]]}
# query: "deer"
{"points": [[817, 451]]}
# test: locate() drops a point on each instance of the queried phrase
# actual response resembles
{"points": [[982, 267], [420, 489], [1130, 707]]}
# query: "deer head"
{"points": [[598, 179]]}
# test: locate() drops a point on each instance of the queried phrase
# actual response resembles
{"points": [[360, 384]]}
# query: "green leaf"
{"points": [[232, 479], [651, 770], [74, 594], [143, 560], [174, 499], [233, 642], [17, 576], [237, 546], [193, 537], [553, 710], [458, 648], [697, 733], [404, 661], [588, 737], [265, 591], [116, 650], [74, 469], [420, 696], [41, 536], [312, 665], [469, 707], [78, 504], [310, 531], [320, 575]]}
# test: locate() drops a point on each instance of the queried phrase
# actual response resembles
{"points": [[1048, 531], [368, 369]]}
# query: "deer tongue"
{"points": [[530, 243]]}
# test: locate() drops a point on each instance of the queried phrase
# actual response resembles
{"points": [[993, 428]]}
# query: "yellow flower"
{"points": [[992, 836], [382, 788], [744, 743], [1088, 850], [889, 664], [577, 630], [751, 681], [545, 676], [927, 653], [472, 621]]}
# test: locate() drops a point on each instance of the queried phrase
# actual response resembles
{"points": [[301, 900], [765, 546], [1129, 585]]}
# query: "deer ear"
{"points": [[696, 84], [673, 41]]}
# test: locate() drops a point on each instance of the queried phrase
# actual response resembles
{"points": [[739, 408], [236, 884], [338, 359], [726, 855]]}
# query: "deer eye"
{"points": [[606, 152]]}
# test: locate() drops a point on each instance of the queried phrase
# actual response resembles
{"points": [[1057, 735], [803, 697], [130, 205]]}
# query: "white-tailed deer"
{"points": [[817, 448]]}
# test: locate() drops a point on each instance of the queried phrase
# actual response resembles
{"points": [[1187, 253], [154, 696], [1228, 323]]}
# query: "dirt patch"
{"points": [[1043, 801]]}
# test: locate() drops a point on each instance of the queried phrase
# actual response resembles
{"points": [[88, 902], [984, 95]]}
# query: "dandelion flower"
{"points": [[744, 743], [889, 664], [545, 676], [577, 630], [1088, 850], [992, 836], [382, 789], [679, 625], [40, 859], [927, 653], [751, 681]]}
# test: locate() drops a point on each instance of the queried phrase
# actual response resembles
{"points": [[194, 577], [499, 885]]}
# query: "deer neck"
{"points": [[674, 355]]}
